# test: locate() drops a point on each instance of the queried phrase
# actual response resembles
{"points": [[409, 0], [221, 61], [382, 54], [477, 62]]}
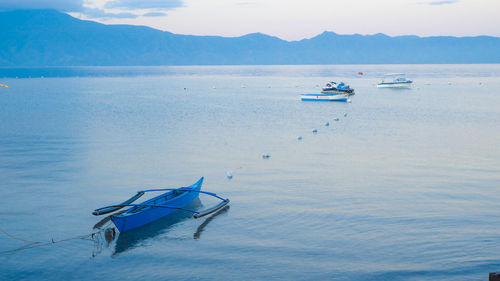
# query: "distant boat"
{"points": [[395, 80], [333, 87], [325, 97]]}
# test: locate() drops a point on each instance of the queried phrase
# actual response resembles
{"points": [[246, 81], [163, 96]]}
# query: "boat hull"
{"points": [[335, 91], [134, 218], [395, 85], [324, 97]]}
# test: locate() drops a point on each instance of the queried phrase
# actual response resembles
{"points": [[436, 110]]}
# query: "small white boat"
{"points": [[324, 97], [395, 80]]}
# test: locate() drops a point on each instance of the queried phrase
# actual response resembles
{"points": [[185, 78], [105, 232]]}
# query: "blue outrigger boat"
{"points": [[158, 207]]}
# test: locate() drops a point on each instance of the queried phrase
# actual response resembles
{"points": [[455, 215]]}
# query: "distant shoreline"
{"points": [[51, 38], [340, 70]]}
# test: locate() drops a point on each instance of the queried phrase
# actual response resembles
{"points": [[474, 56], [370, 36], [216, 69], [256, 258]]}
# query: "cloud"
{"points": [[155, 7], [443, 2], [245, 3], [144, 4], [61, 5], [101, 14], [154, 14]]}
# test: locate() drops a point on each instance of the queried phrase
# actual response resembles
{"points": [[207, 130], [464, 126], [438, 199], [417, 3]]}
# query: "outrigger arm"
{"points": [[145, 205], [196, 214], [211, 210], [110, 209]]}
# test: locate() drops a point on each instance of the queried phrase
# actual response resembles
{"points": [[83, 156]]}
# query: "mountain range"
{"points": [[52, 38]]}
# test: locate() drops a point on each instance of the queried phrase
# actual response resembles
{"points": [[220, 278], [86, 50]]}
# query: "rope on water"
{"points": [[40, 244], [17, 238], [35, 244]]}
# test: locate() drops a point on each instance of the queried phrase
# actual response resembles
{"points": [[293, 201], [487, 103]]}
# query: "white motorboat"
{"points": [[395, 80]]}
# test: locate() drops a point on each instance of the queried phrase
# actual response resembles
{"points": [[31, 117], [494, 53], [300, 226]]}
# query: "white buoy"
{"points": [[243, 86], [213, 87], [265, 155], [299, 137], [315, 131], [349, 101], [229, 174], [327, 124]]}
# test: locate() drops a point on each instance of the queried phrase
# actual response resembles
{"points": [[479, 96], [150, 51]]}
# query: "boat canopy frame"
{"points": [[395, 74]]}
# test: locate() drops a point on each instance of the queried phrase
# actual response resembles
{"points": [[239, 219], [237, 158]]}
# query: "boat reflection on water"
{"points": [[104, 236], [200, 229], [133, 238]]}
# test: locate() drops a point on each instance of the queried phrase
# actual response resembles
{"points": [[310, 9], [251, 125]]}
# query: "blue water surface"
{"points": [[404, 186]]}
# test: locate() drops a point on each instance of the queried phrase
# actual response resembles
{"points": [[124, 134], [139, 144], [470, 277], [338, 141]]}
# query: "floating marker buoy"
{"points": [[266, 155], [336, 119], [214, 87], [229, 174], [327, 124], [315, 131], [349, 101], [243, 86], [299, 137], [185, 88], [345, 114]]}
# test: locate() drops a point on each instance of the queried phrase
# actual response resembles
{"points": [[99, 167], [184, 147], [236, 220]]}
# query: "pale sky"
{"points": [[291, 19]]}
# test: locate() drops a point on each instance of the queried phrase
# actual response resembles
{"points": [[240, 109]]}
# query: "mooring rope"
{"points": [[35, 244], [17, 238]]}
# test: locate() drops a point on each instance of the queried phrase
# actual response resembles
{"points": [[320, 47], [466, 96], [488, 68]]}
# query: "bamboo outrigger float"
{"points": [[158, 207]]}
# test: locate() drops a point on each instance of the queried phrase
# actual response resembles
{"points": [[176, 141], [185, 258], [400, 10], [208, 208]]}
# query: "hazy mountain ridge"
{"points": [[51, 38]]}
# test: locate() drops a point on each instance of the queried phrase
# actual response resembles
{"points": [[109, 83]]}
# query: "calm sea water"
{"points": [[404, 186]]}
